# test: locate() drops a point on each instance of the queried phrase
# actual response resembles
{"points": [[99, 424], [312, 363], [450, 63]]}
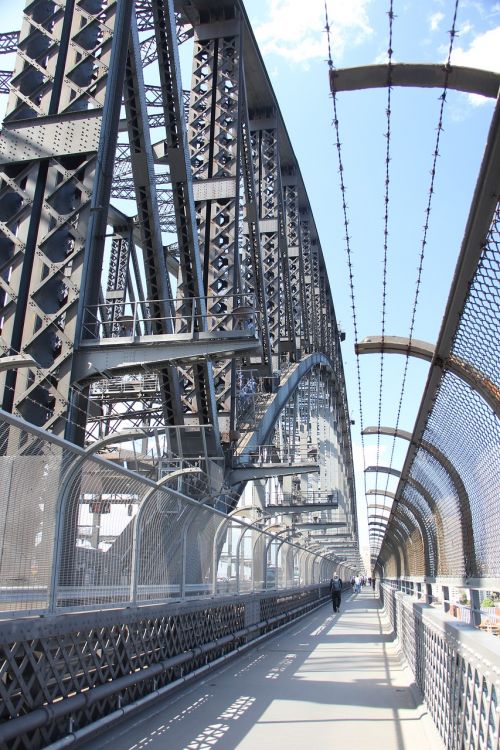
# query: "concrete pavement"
{"points": [[327, 681]]}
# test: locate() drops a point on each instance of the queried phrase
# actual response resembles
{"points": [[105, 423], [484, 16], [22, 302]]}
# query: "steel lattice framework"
{"points": [[160, 261]]}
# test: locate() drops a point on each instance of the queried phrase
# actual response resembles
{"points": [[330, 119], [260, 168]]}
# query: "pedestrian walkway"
{"points": [[327, 681]]}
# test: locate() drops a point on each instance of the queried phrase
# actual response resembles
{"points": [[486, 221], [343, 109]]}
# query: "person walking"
{"points": [[336, 591], [357, 584]]}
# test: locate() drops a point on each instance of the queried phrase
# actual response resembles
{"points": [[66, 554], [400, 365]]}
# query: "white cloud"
{"points": [[465, 28], [383, 59], [481, 53], [296, 30], [435, 19], [370, 455]]}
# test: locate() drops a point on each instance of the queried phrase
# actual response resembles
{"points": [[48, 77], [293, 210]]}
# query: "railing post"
{"points": [[475, 607], [428, 593], [193, 317], [183, 561], [134, 321], [135, 557], [238, 547], [58, 537], [446, 598]]}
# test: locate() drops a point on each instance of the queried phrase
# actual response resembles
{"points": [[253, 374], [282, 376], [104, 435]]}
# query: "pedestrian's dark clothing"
{"points": [[373, 584], [336, 592]]}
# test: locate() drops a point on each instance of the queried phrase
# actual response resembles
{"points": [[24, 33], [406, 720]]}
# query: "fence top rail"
{"points": [[454, 582]]}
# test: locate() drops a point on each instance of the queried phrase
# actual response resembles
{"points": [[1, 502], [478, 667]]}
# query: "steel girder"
{"points": [[424, 350], [470, 80], [8, 42], [175, 149], [158, 286]]}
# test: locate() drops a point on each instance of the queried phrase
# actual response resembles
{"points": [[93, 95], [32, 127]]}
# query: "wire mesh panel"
{"points": [[199, 538], [157, 547], [99, 508], [80, 532], [456, 464], [30, 472], [467, 431]]}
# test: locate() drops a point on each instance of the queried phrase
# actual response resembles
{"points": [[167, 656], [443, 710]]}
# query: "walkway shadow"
{"points": [[221, 712]]}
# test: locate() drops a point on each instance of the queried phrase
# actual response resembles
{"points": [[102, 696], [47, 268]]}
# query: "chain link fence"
{"points": [[77, 531], [455, 470]]}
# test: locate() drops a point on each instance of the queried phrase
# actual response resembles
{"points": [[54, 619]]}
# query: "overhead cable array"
{"points": [[387, 136], [443, 97]]}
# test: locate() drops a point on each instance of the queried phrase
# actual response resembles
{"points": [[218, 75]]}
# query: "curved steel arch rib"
{"points": [[427, 540], [393, 551], [467, 80], [464, 370], [434, 510], [277, 402], [396, 536]]}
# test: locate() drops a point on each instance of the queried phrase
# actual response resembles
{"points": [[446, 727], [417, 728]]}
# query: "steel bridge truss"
{"points": [[99, 171], [159, 255]]}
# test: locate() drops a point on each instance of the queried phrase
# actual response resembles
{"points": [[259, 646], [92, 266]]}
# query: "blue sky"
{"points": [[293, 43]]}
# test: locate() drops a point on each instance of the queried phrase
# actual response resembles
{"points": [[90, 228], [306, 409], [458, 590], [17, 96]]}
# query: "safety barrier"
{"points": [[456, 668], [62, 674], [445, 518], [80, 532]]}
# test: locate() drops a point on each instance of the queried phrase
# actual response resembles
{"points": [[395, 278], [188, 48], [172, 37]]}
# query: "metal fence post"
{"points": [[60, 513], [446, 598], [475, 607], [428, 594]]}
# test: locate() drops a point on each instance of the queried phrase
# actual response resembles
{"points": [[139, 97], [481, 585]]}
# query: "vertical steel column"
{"points": [[252, 264], [296, 265], [266, 165], [215, 139], [198, 394]]}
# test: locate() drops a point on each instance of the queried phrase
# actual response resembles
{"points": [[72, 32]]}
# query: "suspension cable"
{"points": [[347, 238], [443, 98], [387, 136]]}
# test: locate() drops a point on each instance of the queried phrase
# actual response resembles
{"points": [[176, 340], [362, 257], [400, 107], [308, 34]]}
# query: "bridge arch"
{"points": [[417, 75], [462, 369], [407, 508]]}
